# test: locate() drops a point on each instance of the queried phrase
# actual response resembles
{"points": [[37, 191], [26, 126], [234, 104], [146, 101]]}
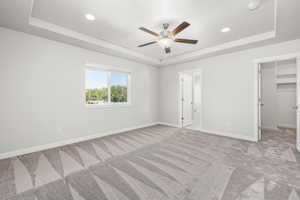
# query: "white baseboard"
{"points": [[168, 124], [271, 128], [187, 124], [231, 135], [68, 141], [287, 126], [219, 133], [99, 135]]}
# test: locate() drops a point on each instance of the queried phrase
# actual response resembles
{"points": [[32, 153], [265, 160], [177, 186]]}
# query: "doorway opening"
{"points": [[190, 99], [278, 98]]}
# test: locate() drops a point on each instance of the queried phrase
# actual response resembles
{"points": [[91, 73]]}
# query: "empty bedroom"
{"points": [[150, 100]]}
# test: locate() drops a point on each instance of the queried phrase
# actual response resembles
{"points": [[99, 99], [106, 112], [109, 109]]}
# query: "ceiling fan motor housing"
{"points": [[166, 26], [166, 34]]}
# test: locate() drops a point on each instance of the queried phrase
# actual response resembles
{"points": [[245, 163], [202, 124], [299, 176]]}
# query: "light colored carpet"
{"points": [[158, 163]]}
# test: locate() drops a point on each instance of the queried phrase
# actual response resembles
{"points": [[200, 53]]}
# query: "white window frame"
{"points": [[109, 70]]}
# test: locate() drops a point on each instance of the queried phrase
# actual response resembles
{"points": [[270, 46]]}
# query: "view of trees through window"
{"points": [[99, 84], [118, 87]]}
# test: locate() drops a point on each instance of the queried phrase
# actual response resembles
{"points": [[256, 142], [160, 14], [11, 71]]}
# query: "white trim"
{"points": [[269, 128], [108, 105], [169, 124], [82, 37], [95, 136], [275, 16], [287, 126], [30, 10], [277, 58], [149, 60], [255, 123], [105, 67], [179, 100], [219, 133], [189, 123], [196, 54], [108, 76], [69, 141], [298, 99], [229, 135], [223, 134], [199, 70]]}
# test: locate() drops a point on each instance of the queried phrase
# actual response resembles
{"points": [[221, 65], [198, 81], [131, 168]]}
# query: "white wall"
{"points": [[228, 89], [42, 93]]}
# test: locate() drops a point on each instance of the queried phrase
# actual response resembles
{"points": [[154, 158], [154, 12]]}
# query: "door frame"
{"points": [[180, 108], [257, 67]]}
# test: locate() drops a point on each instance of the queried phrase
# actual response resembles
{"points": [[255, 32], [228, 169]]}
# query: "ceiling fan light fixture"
{"points": [[90, 17], [165, 42], [225, 29]]}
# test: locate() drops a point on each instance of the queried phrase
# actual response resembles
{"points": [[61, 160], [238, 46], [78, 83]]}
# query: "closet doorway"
{"points": [[278, 98], [190, 99]]}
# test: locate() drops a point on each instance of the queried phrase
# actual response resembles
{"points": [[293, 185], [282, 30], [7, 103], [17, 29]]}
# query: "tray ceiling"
{"points": [[115, 30]]}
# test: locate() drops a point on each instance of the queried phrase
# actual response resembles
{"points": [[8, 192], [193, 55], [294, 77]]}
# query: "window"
{"points": [[106, 87], [96, 87], [118, 88]]}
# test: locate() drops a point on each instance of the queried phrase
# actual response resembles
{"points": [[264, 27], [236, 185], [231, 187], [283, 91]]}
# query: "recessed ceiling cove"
{"points": [[117, 22], [112, 26]]}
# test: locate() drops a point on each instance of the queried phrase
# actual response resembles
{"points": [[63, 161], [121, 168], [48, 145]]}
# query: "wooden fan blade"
{"points": [[142, 45], [186, 41], [168, 50], [180, 28], [148, 31]]}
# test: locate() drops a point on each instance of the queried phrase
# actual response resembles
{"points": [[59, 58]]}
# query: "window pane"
{"points": [[96, 87], [119, 87]]}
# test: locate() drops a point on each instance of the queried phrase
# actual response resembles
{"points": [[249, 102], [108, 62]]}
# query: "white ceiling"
{"points": [[115, 30]]}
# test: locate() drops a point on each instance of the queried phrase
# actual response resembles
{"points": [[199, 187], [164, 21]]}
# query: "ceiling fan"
{"points": [[166, 37]]}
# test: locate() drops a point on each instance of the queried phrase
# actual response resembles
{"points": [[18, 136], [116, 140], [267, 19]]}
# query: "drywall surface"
{"points": [[42, 93], [228, 89]]}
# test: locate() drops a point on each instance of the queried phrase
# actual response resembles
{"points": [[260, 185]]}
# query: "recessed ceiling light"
{"points": [[90, 17], [254, 4], [225, 29]]}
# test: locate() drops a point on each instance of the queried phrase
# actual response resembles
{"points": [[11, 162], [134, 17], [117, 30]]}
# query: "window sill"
{"points": [[112, 105]]}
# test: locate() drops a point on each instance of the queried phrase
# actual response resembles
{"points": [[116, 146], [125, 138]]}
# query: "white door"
{"points": [[197, 99], [260, 104], [186, 99], [298, 103]]}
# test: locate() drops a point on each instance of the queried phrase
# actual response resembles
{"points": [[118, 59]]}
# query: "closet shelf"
{"points": [[288, 75], [286, 80]]}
